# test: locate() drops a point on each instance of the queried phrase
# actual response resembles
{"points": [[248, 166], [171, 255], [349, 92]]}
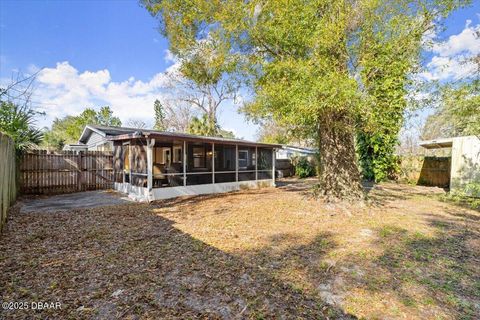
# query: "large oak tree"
{"points": [[309, 63]]}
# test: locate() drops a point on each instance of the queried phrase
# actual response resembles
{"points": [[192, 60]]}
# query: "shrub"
{"points": [[304, 168], [469, 196]]}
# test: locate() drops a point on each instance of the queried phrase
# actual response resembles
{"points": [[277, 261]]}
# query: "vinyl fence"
{"points": [[8, 185], [51, 172]]}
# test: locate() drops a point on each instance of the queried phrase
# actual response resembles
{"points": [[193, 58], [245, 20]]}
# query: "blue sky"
{"points": [[110, 52]]}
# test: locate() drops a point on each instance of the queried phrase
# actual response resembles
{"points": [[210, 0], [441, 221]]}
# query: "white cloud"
{"points": [[446, 68], [64, 90], [466, 42], [170, 57], [449, 60]]}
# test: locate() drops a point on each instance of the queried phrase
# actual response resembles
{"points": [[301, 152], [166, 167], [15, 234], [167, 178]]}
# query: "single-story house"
{"points": [[151, 165], [289, 152], [96, 138], [464, 162]]}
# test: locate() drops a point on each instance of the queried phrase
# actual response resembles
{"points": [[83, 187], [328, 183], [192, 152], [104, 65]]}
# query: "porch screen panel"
{"points": [[203, 178], [139, 164], [169, 180], [265, 163], [199, 163], [199, 157], [118, 162], [246, 163], [167, 164], [225, 160]]}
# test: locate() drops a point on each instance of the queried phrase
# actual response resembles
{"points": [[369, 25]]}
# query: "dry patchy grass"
{"points": [[270, 253]]}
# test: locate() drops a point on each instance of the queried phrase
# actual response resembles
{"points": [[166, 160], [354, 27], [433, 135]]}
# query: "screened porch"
{"points": [[162, 162]]}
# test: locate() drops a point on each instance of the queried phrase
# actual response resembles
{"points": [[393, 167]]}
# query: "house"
{"points": [[95, 138], [287, 156], [151, 165], [289, 152], [464, 163], [77, 147]]}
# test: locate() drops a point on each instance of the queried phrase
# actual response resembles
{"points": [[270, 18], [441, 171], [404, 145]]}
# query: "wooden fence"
{"points": [[284, 168], [435, 172], [8, 184], [48, 172]]}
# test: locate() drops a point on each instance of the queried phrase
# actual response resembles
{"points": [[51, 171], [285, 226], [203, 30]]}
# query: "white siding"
{"points": [[97, 142]]}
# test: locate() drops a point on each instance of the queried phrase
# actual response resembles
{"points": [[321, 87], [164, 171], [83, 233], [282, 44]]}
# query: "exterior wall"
{"points": [[106, 146], [167, 193], [134, 192], [141, 194], [97, 142], [94, 140], [465, 162]]}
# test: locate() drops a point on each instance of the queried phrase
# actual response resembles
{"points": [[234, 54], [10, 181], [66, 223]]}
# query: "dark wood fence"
{"points": [[48, 172], [8, 179], [284, 168]]}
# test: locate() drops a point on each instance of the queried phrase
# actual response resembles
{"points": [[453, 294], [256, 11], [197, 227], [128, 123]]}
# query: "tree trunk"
{"points": [[339, 174]]}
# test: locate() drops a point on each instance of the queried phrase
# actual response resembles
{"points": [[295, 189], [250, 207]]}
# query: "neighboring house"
{"points": [[464, 161], [289, 152], [286, 158], [75, 147]]}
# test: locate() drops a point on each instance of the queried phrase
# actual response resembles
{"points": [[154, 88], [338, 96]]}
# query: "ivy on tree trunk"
{"points": [[339, 175]]}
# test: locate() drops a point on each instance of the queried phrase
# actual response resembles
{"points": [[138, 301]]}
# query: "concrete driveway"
{"points": [[78, 200]]}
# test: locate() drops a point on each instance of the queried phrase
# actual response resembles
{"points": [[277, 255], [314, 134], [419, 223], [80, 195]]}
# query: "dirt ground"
{"points": [[273, 253]]}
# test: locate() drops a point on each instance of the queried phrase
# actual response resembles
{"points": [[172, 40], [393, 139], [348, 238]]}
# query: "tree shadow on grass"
{"points": [[419, 274], [430, 276], [130, 263]]}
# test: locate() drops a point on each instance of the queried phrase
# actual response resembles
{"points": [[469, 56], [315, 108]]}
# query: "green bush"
{"points": [[468, 196], [304, 168]]}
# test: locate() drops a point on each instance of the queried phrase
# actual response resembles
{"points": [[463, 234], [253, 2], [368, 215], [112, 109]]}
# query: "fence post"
{"points": [[80, 171]]}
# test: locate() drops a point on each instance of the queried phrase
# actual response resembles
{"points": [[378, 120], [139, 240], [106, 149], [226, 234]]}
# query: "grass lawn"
{"points": [[260, 254]]}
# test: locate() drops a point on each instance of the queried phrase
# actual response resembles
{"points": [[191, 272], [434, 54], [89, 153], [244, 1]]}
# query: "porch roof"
{"points": [[142, 134], [437, 143]]}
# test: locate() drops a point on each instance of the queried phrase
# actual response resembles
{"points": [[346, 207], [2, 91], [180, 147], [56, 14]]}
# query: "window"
{"points": [[242, 159], [198, 157], [177, 154]]}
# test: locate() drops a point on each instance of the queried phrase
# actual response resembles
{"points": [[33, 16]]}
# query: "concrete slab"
{"points": [[78, 200]]}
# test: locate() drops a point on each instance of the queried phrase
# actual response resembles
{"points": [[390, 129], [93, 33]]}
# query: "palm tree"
{"points": [[19, 123]]}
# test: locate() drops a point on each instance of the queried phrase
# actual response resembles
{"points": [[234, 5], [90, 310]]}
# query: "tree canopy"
{"points": [[69, 128], [160, 117], [17, 117], [326, 68], [202, 126], [457, 111]]}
